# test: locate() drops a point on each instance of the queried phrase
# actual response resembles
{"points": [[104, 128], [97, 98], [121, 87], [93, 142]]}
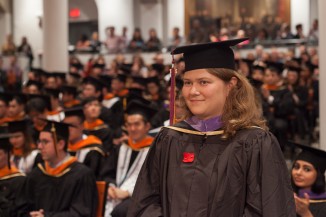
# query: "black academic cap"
{"points": [[52, 92], [248, 61], [88, 100], [69, 89], [158, 67], [20, 97], [98, 65], [121, 77], [4, 142], [294, 69], [139, 80], [106, 80], [38, 84], [94, 81], [153, 79], [75, 75], [5, 97], [17, 126], [135, 91], [316, 157], [61, 75], [136, 107], [125, 68], [209, 55], [58, 128], [275, 66], [75, 111], [77, 65]]}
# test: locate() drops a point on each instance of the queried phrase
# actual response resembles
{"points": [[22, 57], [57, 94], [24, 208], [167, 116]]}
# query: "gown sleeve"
{"points": [[146, 199], [269, 192]]}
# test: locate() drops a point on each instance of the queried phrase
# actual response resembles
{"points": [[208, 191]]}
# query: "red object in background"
{"points": [[74, 13], [188, 157]]}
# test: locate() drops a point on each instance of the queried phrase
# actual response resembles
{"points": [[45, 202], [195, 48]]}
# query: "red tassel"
{"points": [[172, 93]]}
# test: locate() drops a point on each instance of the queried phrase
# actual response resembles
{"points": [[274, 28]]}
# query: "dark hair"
{"points": [[36, 104], [61, 138]]}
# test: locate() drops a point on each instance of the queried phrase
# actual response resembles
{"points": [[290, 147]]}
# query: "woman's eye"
{"points": [[186, 83], [203, 82], [307, 169]]}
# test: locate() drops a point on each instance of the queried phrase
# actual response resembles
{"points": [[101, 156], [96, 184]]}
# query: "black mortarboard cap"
{"points": [[61, 75], [38, 84], [136, 107], [94, 81], [125, 68], [98, 65], [316, 157], [6, 97], [121, 77], [17, 126], [20, 97], [75, 111], [75, 75], [77, 65], [57, 128], [52, 92], [209, 55], [158, 67], [135, 91], [106, 80], [276, 66], [139, 80], [4, 142], [153, 79], [69, 89], [294, 69]]}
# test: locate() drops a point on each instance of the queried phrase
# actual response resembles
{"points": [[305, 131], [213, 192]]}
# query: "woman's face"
{"points": [[304, 174], [204, 93], [17, 140]]}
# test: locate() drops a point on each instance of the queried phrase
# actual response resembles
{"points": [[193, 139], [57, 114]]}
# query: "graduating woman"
{"points": [[308, 180], [25, 155], [220, 160]]}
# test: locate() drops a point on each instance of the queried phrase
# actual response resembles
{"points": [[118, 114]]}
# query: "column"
{"points": [[55, 32], [117, 13], [300, 13], [322, 72]]}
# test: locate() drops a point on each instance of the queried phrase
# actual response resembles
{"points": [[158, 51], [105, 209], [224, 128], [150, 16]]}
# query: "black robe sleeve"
{"points": [[93, 160], [269, 192]]}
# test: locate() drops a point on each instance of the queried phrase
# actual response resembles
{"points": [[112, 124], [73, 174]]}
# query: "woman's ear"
{"points": [[232, 83]]}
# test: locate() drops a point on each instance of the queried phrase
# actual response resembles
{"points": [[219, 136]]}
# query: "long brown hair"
{"points": [[242, 108]]}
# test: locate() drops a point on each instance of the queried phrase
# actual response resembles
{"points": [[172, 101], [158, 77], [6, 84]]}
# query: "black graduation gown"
{"points": [[93, 159], [72, 194], [318, 207], [9, 189], [104, 133], [242, 176]]}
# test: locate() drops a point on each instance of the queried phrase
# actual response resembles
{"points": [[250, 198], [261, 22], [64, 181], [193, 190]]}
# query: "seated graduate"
{"points": [[132, 154], [308, 181], [11, 179], [220, 159], [25, 155], [93, 125], [87, 149], [61, 186]]}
